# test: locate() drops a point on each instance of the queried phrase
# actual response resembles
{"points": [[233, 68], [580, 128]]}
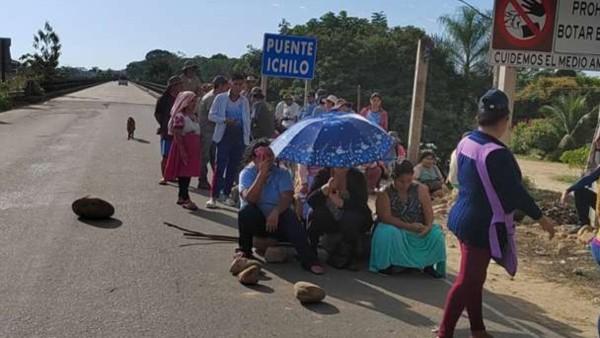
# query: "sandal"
{"points": [[182, 201], [162, 182], [316, 268], [190, 205]]}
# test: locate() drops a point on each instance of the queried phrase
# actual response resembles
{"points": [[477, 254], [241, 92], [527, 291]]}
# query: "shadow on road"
{"points": [[394, 296], [260, 288], [141, 140], [217, 217], [111, 223], [322, 308], [2, 122]]}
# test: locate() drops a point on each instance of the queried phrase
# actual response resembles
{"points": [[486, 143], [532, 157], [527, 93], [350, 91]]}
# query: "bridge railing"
{"points": [[155, 87]]}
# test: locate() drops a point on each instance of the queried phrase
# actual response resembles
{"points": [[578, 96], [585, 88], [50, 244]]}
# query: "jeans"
{"points": [[228, 162], [585, 199], [252, 222]]}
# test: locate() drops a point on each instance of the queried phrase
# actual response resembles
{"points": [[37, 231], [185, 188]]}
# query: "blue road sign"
{"points": [[289, 56]]}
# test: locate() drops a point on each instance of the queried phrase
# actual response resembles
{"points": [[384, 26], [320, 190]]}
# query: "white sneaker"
{"points": [[229, 202], [211, 204]]}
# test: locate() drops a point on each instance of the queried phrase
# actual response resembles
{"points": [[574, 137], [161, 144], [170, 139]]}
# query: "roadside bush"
{"points": [[4, 102], [4, 99], [576, 158], [539, 135]]}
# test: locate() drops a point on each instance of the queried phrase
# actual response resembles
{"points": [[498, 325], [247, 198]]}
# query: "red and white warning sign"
{"points": [[546, 33]]}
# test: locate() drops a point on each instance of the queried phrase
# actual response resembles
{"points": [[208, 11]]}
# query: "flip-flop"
{"points": [[316, 269]]}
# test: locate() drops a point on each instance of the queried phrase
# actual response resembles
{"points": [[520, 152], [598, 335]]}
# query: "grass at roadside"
{"points": [[569, 179]]}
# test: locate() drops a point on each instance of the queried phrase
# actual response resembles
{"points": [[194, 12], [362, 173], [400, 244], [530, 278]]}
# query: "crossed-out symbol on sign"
{"points": [[525, 19]]}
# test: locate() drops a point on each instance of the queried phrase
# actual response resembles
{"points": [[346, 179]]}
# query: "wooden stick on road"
{"points": [[193, 233]]}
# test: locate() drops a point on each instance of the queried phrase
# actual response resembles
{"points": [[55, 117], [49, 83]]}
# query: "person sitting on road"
{"points": [[585, 198], [266, 193], [339, 199], [428, 173], [183, 162], [405, 236]]}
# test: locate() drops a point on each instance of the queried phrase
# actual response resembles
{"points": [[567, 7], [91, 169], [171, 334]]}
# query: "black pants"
{"points": [[352, 225], [184, 186], [252, 222], [584, 200]]}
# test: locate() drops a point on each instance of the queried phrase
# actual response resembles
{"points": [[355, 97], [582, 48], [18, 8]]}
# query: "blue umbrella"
{"points": [[334, 141]]}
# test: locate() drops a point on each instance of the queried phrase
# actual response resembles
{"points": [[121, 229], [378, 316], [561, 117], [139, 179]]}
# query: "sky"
{"points": [[112, 33]]}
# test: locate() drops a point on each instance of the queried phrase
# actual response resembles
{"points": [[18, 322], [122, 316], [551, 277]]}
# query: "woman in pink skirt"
{"points": [[184, 157]]}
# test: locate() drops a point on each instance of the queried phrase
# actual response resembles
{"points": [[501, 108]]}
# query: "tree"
{"points": [[467, 38], [570, 113], [44, 61]]}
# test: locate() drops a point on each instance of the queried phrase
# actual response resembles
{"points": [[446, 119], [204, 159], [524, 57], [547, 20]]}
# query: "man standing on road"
{"points": [[231, 114], [162, 114], [248, 85], [309, 107], [319, 109], [263, 123], [286, 112], [189, 77], [220, 85]]}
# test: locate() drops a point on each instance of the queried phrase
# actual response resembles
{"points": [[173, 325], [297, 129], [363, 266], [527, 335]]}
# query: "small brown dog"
{"points": [[130, 128]]}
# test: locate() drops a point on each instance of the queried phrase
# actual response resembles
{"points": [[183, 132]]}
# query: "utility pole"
{"points": [[507, 82], [263, 85], [418, 101]]}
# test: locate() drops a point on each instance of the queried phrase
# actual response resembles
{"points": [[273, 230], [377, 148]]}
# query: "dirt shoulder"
{"points": [[545, 174]]}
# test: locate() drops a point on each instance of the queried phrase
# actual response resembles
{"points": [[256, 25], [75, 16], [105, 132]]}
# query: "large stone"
{"points": [[250, 275], [90, 207], [276, 254], [308, 292], [240, 264], [585, 234]]}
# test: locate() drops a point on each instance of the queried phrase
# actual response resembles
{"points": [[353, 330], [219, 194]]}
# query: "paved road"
{"points": [[60, 277]]}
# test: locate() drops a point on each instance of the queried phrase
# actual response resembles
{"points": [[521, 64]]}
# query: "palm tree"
{"points": [[569, 113], [467, 39]]}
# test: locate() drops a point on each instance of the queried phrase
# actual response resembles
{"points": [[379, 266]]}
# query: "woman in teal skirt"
{"points": [[405, 236]]}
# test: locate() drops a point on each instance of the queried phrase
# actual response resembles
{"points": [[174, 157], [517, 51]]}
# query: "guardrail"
{"points": [[52, 90], [158, 88]]}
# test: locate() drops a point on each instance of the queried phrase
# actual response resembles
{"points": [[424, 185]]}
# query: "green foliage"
{"points": [[569, 113], [538, 135], [43, 62], [5, 103], [367, 52], [576, 158], [540, 87], [467, 39]]}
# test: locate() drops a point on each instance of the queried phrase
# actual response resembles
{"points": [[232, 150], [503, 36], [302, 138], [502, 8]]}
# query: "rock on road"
{"points": [[133, 277]]}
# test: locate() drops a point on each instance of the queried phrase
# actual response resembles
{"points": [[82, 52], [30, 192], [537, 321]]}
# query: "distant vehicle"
{"points": [[123, 81]]}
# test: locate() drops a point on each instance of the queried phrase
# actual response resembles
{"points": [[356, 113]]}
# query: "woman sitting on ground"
{"points": [[338, 199], [405, 236], [266, 195], [428, 173]]}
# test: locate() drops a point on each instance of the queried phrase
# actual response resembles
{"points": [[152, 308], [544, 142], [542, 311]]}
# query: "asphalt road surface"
{"points": [[134, 277]]}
